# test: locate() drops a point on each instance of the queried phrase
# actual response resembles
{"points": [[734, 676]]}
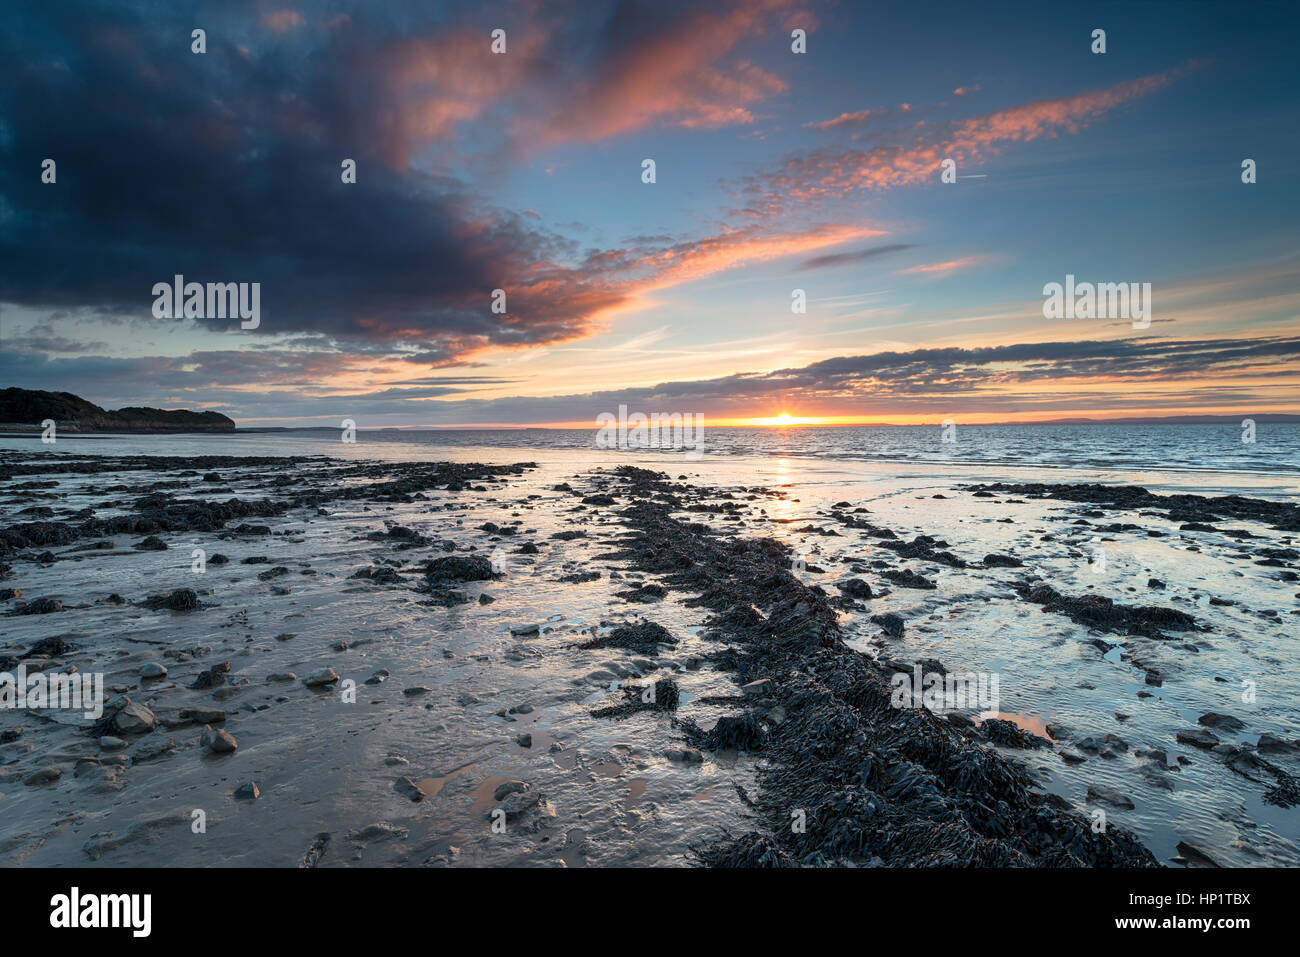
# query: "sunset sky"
{"points": [[776, 171]]}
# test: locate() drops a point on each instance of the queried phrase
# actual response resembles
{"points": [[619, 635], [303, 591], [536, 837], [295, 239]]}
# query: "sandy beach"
{"points": [[559, 660]]}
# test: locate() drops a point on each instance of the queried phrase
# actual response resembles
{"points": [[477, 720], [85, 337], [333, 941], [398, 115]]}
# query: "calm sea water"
{"points": [[1119, 451], [1112, 447]]}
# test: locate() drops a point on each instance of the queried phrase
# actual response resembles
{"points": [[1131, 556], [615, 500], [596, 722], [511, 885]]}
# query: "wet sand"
{"points": [[564, 665]]}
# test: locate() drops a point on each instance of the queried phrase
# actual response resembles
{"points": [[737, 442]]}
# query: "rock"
{"points": [[281, 676], [906, 578], [1244, 762], [1197, 738], [1110, 745], [182, 599], [381, 831], [1071, 757], [1224, 722], [759, 688], [42, 777], [529, 629], [203, 715], [248, 792], [524, 740], [1271, 744], [153, 670], [1058, 732], [384, 575], [219, 741], [134, 719], [1156, 755], [408, 789], [463, 568], [519, 802], [1156, 778], [508, 788], [214, 677], [1194, 856], [1105, 795], [416, 690], [855, 588], [891, 623], [40, 606], [684, 755], [110, 743], [321, 677]]}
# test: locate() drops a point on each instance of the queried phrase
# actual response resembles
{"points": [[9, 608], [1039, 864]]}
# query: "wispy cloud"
{"points": [[951, 266], [858, 256], [1208, 374], [831, 172]]}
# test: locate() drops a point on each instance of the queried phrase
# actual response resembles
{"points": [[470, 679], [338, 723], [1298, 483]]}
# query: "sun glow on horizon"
{"points": [[784, 419]]}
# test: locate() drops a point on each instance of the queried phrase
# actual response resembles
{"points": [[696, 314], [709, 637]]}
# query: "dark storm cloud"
{"points": [[225, 166]]}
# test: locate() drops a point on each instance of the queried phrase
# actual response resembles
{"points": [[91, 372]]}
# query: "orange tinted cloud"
{"points": [[699, 258], [952, 265], [844, 119], [834, 172], [281, 21], [650, 70], [413, 91], [675, 74]]}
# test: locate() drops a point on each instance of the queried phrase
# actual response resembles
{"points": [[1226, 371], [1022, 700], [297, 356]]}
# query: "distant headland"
{"points": [[23, 410]]}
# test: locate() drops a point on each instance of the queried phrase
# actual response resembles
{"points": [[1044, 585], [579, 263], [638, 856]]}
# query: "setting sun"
{"points": [[785, 418]]}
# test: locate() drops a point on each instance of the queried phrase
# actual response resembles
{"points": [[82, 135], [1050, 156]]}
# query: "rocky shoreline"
{"points": [[701, 663]]}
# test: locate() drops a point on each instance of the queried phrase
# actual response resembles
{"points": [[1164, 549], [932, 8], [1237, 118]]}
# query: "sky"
{"points": [[778, 176]]}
